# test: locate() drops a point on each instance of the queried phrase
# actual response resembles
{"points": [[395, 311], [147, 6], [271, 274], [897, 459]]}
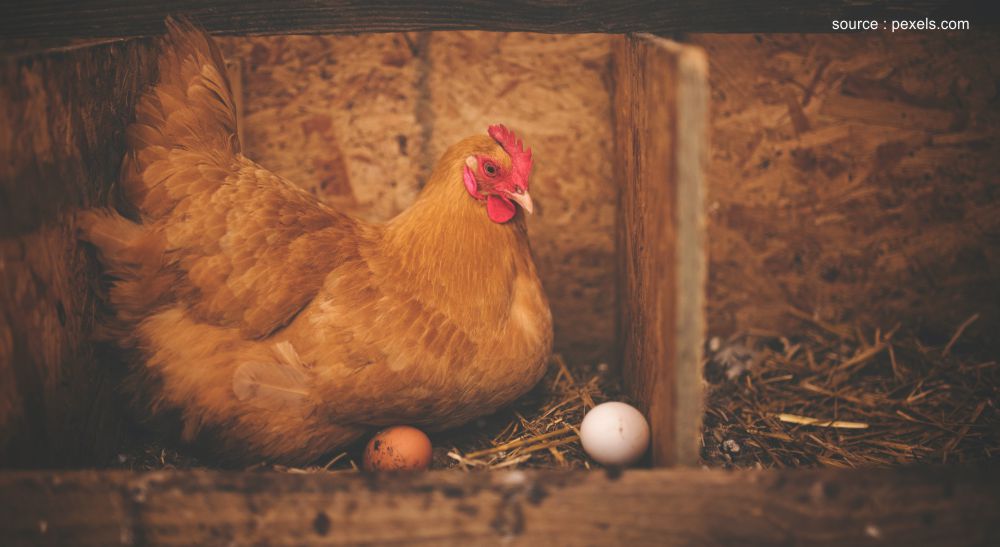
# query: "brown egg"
{"points": [[398, 448]]}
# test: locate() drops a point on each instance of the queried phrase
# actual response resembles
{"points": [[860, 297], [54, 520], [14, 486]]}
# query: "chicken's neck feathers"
{"points": [[448, 244]]}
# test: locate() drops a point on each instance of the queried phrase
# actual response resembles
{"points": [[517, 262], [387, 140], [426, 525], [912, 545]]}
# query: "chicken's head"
{"points": [[500, 178]]}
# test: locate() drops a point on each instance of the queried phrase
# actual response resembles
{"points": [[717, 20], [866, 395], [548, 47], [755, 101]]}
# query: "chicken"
{"points": [[278, 328]]}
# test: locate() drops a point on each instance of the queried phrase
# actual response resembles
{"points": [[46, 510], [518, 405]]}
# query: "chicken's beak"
{"points": [[524, 200]]}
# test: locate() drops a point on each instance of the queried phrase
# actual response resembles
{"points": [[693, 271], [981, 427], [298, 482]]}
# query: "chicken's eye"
{"points": [[490, 169]]}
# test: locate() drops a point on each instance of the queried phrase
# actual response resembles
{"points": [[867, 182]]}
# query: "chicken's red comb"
{"points": [[519, 157]]}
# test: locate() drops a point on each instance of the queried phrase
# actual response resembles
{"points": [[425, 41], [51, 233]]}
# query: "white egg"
{"points": [[614, 434]]}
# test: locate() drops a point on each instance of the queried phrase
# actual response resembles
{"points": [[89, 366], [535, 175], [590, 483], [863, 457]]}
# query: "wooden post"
{"points": [[661, 120]]}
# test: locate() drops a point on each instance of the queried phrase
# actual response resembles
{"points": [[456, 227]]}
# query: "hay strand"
{"points": [[832, 395]]}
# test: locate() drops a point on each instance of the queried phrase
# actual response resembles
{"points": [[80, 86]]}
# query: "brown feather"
{"points": [[272, 385], [281, 328]]}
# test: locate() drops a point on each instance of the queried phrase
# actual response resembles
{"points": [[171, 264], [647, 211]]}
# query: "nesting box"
{"points": [[633, 213]]}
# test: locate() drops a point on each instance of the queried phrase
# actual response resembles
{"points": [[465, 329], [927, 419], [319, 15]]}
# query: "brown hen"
{"points": [[280, 328]]}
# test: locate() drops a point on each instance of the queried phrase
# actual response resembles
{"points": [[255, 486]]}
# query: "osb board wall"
{"points": [[62, 118], [360, 121], [855, 177]]}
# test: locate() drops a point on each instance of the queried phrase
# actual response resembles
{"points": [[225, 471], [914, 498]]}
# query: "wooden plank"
{"points": [[62, 19], [62, 120], [661, 139], [663, 507], [880, 207]]}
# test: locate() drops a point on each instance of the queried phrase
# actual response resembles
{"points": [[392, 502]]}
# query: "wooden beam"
{"points": [[121, 18], [664, 507], [62, 126], [661, 119]]}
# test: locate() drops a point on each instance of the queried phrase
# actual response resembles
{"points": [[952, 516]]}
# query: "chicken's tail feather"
{"points": [[134, 257], [189, 111]]}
